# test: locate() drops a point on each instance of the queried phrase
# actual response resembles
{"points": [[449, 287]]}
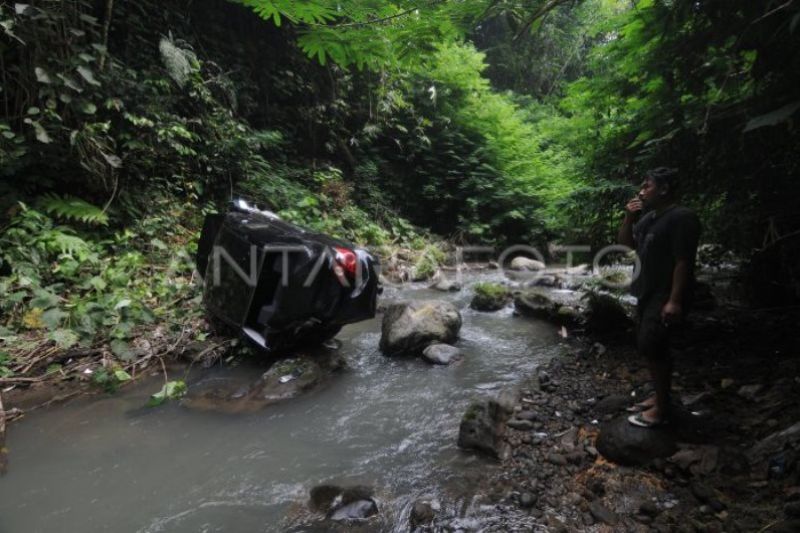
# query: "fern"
{"points": [[59, 240], [72, 208]]}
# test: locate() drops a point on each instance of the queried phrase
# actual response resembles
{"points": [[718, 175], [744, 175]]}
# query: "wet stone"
{"points": [[623, 443], [520, 425], [527, 500], [423, 512]]}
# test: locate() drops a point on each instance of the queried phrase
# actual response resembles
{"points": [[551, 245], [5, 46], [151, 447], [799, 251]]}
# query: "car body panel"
{"points": [[276, 281]]}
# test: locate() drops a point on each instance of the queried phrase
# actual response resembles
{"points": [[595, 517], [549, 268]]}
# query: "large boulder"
{"points": [[285, 379], [409, 328], [607, 315], [489, 297], [629, 445], [526, 263], [561, 306], [535, 303], [483, 427], [445, 285]]}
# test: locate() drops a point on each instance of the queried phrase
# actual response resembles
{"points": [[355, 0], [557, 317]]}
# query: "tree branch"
{"points": [[542, 11]]}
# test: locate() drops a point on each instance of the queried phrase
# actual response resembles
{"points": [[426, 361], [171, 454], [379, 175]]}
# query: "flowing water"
{"points": [[110, 464]]}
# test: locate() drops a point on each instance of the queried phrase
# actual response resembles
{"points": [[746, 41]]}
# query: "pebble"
{"points": [[557, 459], [527, 500], [602, 513]]}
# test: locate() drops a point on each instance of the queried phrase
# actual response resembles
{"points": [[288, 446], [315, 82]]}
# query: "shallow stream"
{"points": [[109, 464]]}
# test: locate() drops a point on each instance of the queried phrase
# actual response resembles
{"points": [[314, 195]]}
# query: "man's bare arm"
{"points": [[673, 310], [625, 234], [680, 280]]}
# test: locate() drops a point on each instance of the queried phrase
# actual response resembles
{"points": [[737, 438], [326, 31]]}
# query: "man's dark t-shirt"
{"points": [[660, 241]]}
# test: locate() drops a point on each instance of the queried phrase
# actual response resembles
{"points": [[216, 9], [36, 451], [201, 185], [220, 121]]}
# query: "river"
{"points": [[107, 463]]}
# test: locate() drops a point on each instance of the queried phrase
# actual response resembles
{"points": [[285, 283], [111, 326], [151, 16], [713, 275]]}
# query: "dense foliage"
{"points": [[122, 123]]}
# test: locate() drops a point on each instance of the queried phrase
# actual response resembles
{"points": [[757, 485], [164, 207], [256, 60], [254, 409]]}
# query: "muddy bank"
{"points": [[734, 463]]}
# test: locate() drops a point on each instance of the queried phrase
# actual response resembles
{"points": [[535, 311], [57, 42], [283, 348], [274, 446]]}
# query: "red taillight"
{"points": [[347, 260]]}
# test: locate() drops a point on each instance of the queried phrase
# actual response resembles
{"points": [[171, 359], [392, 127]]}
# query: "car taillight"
{"points": [[347, 260]]}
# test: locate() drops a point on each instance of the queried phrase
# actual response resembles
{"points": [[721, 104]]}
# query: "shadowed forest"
{"points": [[408, 127]]}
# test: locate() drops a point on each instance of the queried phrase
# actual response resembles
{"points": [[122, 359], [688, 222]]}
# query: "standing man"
{"points": [[665, 239]]}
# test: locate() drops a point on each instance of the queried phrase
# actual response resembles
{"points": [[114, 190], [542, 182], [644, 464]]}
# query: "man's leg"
{"points": [[653, 345]]}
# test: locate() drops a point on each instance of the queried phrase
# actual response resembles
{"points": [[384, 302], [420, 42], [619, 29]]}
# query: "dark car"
{"points": [[282, 285]]}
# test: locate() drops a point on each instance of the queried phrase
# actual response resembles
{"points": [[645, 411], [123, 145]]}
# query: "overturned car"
{"points": [[281, 285]]}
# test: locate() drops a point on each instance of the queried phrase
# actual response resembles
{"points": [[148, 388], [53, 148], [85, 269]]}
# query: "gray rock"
{"points": [[776, 442], [625, 444], [557, 459], [527, 500], [607, 316], [601, 513], [490, 300], [536, 304], [749, 392], [357, 510], [423, 512], [446, 285], [441, 354], [525, 263], [411, 327], [483, 427], [612, 404], [343, 503], [323, 496], [285, 379], [520, 425]]}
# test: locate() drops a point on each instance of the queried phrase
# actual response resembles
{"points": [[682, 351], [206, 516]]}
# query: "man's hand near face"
{"points": [[634, 206]]}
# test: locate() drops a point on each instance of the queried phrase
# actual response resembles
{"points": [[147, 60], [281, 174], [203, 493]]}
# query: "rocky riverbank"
{"points": [[728, 464]]}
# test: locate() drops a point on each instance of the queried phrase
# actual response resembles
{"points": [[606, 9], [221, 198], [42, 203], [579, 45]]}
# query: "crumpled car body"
{"points": [[282, 285]]}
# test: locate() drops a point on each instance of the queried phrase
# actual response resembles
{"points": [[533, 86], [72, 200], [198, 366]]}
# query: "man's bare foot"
{"points": [[647, 419], [647, 403]]}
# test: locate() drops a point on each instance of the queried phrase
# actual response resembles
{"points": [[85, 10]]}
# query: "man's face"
{"points": [[649, 193]]}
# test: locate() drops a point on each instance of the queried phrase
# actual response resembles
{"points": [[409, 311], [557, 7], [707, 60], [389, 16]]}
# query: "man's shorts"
{"points": [[652, 335]]}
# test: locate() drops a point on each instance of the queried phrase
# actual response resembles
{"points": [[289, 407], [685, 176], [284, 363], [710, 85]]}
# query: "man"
{"points": [[665, 239]]}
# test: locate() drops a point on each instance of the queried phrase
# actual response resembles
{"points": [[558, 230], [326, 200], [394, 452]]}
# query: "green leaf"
{"points": [[88, 75], [121, 375], [125, 302], [43, 299], [64, 338], [41, 134], [52, 318], [70, 82], [170, 391], [122, 349], [73, 208], [87, 108], [42, 76]]}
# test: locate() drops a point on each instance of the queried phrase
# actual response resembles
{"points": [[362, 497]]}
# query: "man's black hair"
{"points": [[664, 176]]}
